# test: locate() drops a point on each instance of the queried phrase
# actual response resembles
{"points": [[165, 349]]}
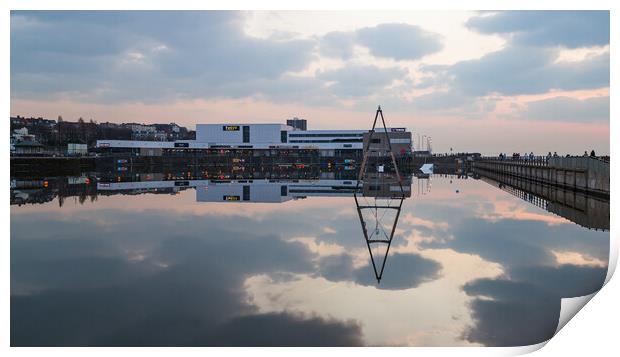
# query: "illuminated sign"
{"points": [[232, 198], [231, 128], [398, 130], [181, 183], [181, 145]]}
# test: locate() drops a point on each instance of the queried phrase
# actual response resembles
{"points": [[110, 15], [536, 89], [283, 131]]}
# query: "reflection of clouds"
{"points": [[318, 247], [543, 257], [525, 309], [105, 259], [522, 307], [403, 271], [524, 243], [511, 210], [434, 313], [577, 258], [419, 223], [85, 289]]}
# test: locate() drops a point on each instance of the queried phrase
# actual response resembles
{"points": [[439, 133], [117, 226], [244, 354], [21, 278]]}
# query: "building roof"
{"points": [[27, 143]]}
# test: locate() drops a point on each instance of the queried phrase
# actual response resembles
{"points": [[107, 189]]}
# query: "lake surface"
{"points": [[159, 260]]}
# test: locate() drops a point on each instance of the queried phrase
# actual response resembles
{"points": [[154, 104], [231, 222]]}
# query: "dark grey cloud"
{"points": [[571, 29], [144, 55], [337, 44], [527, 64], [568, 109], [527, 70], [392, 40], [355, 81], [399, 41]]}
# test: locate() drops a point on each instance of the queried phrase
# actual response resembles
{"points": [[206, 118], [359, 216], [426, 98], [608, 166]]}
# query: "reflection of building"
{"points": [[263, 191], [385, 185], [270, 137]]}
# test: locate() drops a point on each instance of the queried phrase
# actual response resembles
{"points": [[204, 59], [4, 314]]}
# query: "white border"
{"points": [[593, 330]]}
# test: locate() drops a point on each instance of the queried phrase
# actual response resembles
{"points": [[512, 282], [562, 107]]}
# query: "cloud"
{"points": [[356, 81], [571, 29], [161, 57], [391, 40], [337, 44], [528, 63], [145, 56], [399, 41], [568, 109], [527, 70]]}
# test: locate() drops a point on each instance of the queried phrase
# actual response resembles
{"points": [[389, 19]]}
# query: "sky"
{"points": [[486, 82]]}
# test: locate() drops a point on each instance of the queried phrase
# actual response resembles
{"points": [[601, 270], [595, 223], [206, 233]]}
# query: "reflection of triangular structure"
{"points": [[381, 183]]}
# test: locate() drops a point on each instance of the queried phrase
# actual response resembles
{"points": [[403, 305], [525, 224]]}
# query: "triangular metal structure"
{"points": [[380, 180]]}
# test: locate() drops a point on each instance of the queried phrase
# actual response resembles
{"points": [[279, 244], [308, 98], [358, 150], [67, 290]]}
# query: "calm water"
{"points": [[472, 262]]}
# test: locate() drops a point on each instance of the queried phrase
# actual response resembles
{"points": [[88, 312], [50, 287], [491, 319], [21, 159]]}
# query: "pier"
{"points": [[585, 210], [585, 174]]}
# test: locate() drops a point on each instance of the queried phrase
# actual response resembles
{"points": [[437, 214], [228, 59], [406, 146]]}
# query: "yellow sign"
{"points": [[232, 198], [231, 128]]}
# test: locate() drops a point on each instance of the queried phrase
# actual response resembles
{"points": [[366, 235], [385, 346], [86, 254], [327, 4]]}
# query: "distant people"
{"points": [[592, 153], [555, 154], [549, 155], [531, 155], [585, 153]]}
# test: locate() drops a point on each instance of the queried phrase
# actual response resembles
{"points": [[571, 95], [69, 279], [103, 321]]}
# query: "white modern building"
{"points": [[264, 136]]}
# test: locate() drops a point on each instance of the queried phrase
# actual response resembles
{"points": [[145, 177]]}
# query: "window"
{"points": [[246, 193], [283, 190], [326, 135], [283, 136], [246, 133]]}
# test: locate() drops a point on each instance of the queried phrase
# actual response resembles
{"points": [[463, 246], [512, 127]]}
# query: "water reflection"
{"points": [[165, 258]]}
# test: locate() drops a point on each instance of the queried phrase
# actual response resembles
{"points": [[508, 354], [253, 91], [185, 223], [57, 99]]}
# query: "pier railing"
{"points": [[552, 161], [584, 173]]}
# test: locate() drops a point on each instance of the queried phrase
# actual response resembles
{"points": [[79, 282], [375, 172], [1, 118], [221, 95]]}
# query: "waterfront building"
{"points": [[269, 137]]}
